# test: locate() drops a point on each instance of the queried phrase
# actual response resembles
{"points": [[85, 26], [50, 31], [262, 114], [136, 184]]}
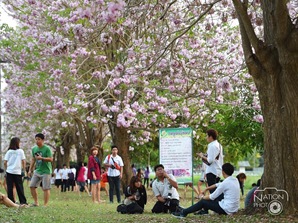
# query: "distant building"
{"points": [[242, 165]]}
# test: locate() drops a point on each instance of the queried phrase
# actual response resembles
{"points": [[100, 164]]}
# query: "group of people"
{"points": [[223, 197], [96, 174], [39, 171]]}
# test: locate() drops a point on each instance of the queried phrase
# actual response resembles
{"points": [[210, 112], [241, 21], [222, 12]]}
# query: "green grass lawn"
{"points": [[70, 207]]}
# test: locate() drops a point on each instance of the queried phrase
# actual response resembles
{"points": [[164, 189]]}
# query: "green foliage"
{"points": [[238, 133]]}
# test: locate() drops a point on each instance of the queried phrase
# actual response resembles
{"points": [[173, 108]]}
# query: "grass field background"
{"points": [[70, 207]]}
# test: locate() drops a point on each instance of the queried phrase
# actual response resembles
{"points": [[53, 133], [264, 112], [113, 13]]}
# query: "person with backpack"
{"points": [[114, 163], [71, 178]]}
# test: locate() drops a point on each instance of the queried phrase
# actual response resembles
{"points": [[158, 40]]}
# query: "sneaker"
{"points": [[201, 212], [178, 215], [179, 209]]}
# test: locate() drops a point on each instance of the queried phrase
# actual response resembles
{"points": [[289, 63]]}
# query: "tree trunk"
{"points": [[274, 66], [121, 140]]}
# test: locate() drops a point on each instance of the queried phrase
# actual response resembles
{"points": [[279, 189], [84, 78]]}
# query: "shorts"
{"points": [[102, 184], [44, 178], [81, 184], [94, 181]]}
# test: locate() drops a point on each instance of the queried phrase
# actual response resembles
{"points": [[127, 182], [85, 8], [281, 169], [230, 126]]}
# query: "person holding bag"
{"points": [[114, 163]]}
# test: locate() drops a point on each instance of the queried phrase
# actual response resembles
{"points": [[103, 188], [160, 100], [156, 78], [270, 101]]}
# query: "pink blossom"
{"points": [[258, 118], [104, 108]]}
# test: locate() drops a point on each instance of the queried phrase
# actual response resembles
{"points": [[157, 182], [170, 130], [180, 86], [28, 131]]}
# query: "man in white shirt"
{"points": [[165, 190], [214, 158], [114, 163], [228, 205]]}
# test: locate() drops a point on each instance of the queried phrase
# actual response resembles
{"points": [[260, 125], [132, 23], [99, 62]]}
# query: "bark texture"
{"points": [[273, 63]]}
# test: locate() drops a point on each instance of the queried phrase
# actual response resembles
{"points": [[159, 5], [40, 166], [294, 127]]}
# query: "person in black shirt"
{"points": [[135, 193]]}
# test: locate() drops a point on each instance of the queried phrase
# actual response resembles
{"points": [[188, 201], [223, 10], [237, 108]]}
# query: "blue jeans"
{"points": [[114, 182], [206, 205]]}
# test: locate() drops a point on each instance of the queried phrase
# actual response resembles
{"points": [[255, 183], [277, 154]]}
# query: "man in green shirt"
{"points": [[41, 159]]}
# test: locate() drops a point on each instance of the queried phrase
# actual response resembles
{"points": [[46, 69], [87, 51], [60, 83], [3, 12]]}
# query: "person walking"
{"points": [[15, 166], [41, 160], [114, 163], [81, 178]]}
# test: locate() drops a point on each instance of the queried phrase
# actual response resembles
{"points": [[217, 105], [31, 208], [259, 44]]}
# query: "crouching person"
{"points": [[135, 198], [228, 205], [165, 190]]}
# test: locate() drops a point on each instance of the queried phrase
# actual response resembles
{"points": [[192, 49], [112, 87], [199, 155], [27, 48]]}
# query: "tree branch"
{"points": [[281, 20], [180, 35], [241, 10], [167, 9]]}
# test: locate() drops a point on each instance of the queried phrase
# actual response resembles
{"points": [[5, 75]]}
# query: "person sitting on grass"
{"points": [[241, 178], [164, 189], [9, 203], [228, 205]]}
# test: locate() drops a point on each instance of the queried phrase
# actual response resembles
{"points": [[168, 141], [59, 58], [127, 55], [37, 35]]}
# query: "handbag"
{"points": [[116, 164]]}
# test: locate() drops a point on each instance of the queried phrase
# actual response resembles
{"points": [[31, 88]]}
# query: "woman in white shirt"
{"points": [[15, 165]]}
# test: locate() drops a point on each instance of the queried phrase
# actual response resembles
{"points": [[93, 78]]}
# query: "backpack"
{"points": [[132, 208], [70, 175], [122, 208]]}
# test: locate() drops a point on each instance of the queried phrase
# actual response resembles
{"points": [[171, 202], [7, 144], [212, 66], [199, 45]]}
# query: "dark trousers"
{"points": [[146, 182], [64, 185], [114, 183], [160, 207], [213, 179], [18, 182], [206, 205]]}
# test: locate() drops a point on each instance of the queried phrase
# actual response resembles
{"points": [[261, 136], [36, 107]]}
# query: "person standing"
{"points": [[134, 170], [213, 160], [81, 178], [104, 180], [146, 177], [164, 188], [94, 174], [64, 178], [15, 165], [114, 163], [41, 160], [202, 179], [58, 176]]}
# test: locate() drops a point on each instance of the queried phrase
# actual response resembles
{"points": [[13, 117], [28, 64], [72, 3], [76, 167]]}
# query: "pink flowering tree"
{"points": [[134, 67]]}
